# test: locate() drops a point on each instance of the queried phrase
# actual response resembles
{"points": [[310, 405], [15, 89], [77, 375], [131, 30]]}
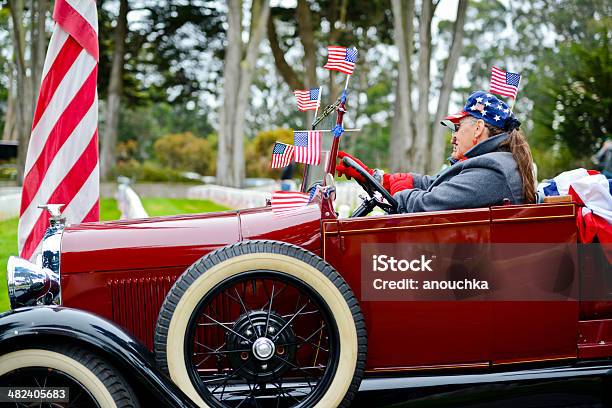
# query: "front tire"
{"points": [[91, 381], [219, 331]]}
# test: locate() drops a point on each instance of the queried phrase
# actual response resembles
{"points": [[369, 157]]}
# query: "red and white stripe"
{"points": [[499, 84], [304, 102], [336, 60], [310, 154], [288, 200], [62, 160], [282, 159]]}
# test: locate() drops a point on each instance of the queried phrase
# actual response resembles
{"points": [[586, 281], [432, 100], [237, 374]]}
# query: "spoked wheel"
{"points": [[262, 336], [91, 381], [262, 324]]}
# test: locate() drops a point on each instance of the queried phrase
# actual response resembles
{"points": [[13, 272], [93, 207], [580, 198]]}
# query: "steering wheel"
{"points": [[370, 186]]}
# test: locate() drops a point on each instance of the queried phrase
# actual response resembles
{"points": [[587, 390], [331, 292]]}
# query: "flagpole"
{"points": [[317, 108], [347, 81], [517, 88]]}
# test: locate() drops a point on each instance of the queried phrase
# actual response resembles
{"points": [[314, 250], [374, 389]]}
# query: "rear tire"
{"points": [[90, 379], [263, 263]]}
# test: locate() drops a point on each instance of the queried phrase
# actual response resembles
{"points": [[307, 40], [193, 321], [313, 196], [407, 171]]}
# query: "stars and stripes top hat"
{"points": [[485, 106]]}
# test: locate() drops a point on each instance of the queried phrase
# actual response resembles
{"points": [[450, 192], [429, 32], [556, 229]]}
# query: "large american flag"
{"points": [[341, 59], [288, 200], [307, 99], [307, 146], [282, 155], [62, 160], [504, 83]]}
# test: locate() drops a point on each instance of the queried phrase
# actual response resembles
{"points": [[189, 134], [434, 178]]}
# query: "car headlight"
{"points": [[30, 284]]}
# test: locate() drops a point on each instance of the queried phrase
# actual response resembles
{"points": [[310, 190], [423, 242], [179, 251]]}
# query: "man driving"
{"points": [[491, 162]]}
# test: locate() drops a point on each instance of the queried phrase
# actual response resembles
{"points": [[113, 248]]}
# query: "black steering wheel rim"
{"points": [[371, 182]]}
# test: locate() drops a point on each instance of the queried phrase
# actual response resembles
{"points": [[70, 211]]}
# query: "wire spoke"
{"points": [[227, 328], [290, 320], [245, 310], [306, 374], [269, 311], [277, 295]]}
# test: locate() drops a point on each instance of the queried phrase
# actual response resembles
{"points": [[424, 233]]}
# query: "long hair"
{"points": [[518, 146]]}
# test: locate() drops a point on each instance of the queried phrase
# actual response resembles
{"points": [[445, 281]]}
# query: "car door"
{"points": [[416, 333], [541, 322]]}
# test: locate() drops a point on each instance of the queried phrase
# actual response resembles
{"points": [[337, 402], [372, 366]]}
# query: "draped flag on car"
{"points": [[593, 193], [308, 99], [282, 155], [341, 59], [62, 159], [504, 83], [288, 200], [307, 146]]}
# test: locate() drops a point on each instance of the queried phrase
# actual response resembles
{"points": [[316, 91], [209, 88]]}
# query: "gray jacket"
{"points": [[485, 179]]}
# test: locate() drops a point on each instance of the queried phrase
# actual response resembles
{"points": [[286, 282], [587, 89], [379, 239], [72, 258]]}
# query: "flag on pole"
{"points": [[282, 155], [504, 83], [288, 200], [307, 146], [62, 159], [307, 99], [341, 59]]}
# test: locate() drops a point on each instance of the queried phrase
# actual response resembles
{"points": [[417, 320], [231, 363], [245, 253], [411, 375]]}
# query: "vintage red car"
{"points": [[262, 308]]}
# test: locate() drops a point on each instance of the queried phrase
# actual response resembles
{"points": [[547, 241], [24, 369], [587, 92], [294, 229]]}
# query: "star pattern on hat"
{"points": [[487, 103], [496, 118], [489, 95], [484, 112], [479, 99], [500, 107], [506, 110]]}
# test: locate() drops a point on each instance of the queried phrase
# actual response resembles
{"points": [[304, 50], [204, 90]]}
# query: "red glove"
{"points": [[349, 172], [398, 182]]}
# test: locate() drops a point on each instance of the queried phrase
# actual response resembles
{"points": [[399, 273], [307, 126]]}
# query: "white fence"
{"points": [[10, 200]]}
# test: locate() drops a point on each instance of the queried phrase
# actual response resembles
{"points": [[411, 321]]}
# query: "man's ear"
{"points": [[480, 128]]}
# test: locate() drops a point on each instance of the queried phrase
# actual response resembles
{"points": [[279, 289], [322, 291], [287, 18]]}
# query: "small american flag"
{"points": [[504, 83], [288, 200], [307, 146], [307, 99], [341, 59], [282, 155]]}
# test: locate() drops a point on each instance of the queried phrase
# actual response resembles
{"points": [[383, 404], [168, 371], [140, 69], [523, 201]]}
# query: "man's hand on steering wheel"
{"points": [[354, 168]]}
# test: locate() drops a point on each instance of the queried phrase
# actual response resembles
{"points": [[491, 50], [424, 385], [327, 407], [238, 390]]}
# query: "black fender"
{"points": [[48, 324]]}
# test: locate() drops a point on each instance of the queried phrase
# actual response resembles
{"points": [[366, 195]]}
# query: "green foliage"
{"points": [[258, 152], [184, 151], [148, 171], [8, 247], [572, 93]]}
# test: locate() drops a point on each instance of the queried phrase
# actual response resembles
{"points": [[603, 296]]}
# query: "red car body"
{"points": [[123, 270]]}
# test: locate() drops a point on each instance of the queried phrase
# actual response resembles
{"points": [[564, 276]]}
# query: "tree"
{"points": [[28, 58], [412, 144], [239, 64], [115, 90]]}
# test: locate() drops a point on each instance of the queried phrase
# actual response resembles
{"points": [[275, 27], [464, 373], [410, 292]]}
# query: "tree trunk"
{"points": [[115, 90], [9, 132], [439, 132], [402, 134], [23, 86], [420, 154], [306, 34], [238, 75]]}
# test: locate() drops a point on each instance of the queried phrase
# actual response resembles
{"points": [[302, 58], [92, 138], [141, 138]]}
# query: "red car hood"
{"points": [[180, 240]]}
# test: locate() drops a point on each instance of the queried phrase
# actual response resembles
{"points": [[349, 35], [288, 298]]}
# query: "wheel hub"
{"points": [[261, 347]]}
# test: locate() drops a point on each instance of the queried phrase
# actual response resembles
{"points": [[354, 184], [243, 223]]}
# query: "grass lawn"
{"points": [[108, 212]]}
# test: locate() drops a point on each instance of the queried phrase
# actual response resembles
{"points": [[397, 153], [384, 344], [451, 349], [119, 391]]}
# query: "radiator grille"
{"points": [[136, 303]]}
